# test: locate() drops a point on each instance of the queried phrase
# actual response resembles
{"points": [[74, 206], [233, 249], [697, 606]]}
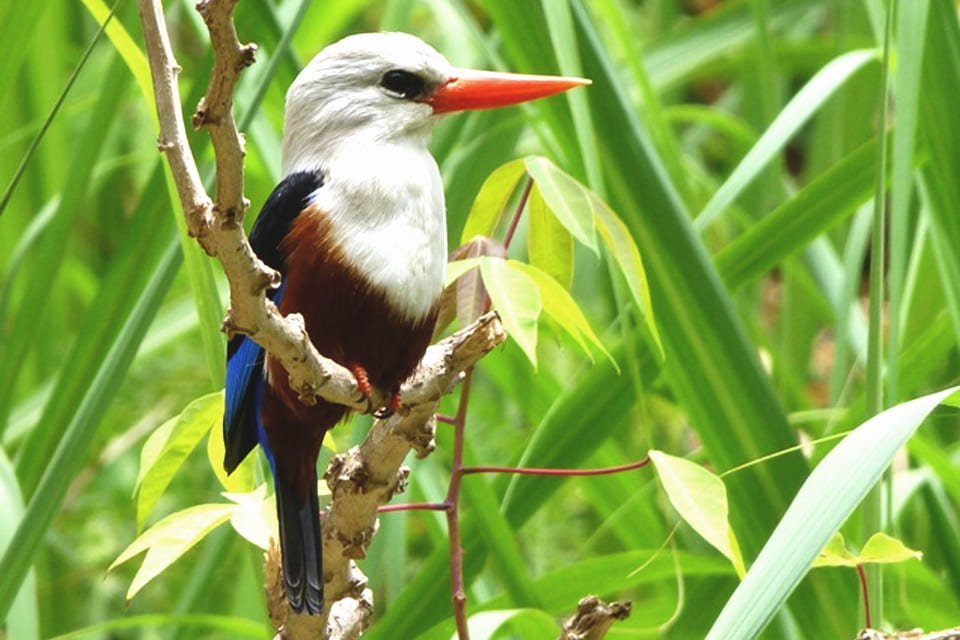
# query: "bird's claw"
{"points": [[385, 412], [366, 391]]}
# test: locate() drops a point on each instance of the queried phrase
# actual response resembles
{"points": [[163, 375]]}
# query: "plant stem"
{"points": [[453, 511], [872, 519], [865, 590]]}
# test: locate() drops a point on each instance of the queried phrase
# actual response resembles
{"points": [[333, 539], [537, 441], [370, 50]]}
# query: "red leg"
{"points": [[363, 381]]}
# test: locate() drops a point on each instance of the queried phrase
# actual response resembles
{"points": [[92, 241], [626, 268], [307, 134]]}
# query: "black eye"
{"points": [[403, 84]]}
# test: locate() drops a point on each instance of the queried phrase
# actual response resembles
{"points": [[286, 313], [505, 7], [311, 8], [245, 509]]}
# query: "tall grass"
{"points": [[738, 141]]}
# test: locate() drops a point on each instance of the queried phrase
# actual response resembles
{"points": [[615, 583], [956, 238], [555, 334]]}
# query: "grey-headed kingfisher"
{"points": [[356, 229]]}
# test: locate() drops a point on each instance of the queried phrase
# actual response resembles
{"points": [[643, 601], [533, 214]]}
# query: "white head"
{"points": [[369, 86], [388, 88]]}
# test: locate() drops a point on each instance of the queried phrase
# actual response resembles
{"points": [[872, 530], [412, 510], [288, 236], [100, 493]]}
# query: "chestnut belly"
{"points": [[349, 321]]}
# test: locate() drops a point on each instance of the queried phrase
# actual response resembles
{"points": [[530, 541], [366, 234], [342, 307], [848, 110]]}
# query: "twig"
{"points": [[593, 619]]}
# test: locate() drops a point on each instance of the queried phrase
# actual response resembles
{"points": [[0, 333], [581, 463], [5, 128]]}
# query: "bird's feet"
{"points": [[385, 412], [366, 390]]}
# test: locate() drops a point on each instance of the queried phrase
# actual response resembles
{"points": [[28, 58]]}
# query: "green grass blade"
{"points": [[794, 115], [20, 329], [22, 622], [5, 199], [828, 497], [77, 436], [911, 35], [229, 626]]}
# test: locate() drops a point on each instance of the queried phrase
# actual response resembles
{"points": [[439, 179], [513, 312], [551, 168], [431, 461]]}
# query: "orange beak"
{"points": [[472, 89]]}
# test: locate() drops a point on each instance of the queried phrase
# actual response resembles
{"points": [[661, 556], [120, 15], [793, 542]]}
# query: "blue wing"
{"points": [[245, 381]]}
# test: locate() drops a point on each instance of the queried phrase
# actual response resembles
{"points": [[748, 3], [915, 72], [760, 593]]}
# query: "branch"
{"points": [[593, 619], [216, 225], [367, 476]]}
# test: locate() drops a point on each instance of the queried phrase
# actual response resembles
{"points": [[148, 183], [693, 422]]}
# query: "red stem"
{"points": [[453, 510], [444, 418], [532, 471], [866, 595], [521, 205]]}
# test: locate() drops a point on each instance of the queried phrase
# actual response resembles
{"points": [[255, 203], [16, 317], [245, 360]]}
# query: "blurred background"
{"points": [[755, 240]]}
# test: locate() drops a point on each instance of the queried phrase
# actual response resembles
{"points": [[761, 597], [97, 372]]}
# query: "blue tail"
{"points": [[300, 548]]}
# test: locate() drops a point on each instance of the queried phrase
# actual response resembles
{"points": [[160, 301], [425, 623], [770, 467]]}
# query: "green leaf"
{"points": [[620, 243], [516, 298], [563, 309], [787, 123], [22, 621], [160, 463], [227, 626], [835, 554], [456, 269], [582, 213], [881, 548], [488, 207], [549, 244], [568, 200], [169, 539], [826, 499], [127, 47], [700, 498], [255, 516]]}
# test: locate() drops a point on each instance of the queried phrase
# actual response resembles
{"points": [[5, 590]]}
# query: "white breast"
{"points": [[386, 210]]}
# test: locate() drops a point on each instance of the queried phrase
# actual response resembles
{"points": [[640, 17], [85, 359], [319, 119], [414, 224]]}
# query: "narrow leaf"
{"points": [[517, 300], [826, 499], [627, 256], [549, 245], [568, 200], [563, 309], [488, 207], [700, 498], [196, 420], [169, 539], [787, 123]]}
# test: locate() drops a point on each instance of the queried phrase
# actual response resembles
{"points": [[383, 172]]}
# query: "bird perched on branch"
{"points": [[356, 229]]}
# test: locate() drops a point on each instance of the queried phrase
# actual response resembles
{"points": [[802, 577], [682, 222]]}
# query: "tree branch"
{"points": [[593, 619]]}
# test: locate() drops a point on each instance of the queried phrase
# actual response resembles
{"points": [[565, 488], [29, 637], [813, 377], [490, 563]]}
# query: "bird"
{"points": [[356, 228]]}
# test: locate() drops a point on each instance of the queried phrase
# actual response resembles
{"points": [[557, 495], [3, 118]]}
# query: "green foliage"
{"points": [[738, 148]]}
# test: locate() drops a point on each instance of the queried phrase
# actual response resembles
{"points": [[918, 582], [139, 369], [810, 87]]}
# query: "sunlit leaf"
{"points": [[563, 309], [255, 517], [568, 200], [835, 554], [882, 548], [700, 498], [549, 245], [826, 499], [189, 428], [169, 539], [488, 207], [620, 243], [516, 298], [241, 480]]}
